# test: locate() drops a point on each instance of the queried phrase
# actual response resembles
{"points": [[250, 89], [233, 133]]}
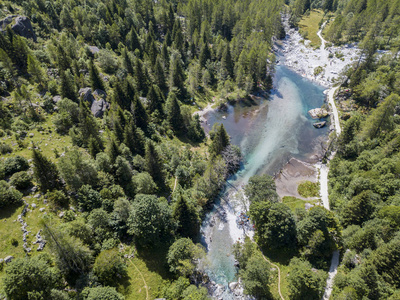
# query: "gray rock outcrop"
{"points": [[318, 113], [8, 259], [86, 94], [99, 107], [98, 104], [22, 26]]}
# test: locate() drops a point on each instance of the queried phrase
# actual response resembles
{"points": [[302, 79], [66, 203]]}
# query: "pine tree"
{"points": [[177, 76], [95, 81], [132, 41], [63, 60], [159, 75], [140, 77], [205, 55], [87, 125], [139, 114], [155, 103], [186, 215], [113, 150], [226, 61], [35, 70], [153, 164], [67, 87], [45, 172], [66, 20], [93, 147], [173, 113], [220, 139], [133, 139], [126, 61]]}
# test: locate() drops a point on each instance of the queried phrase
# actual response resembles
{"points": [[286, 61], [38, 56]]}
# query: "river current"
{"points": [[269, 133]]}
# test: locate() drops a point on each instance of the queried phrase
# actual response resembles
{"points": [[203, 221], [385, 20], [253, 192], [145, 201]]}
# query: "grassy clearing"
{"points": [[42, 136], [308, 189], [294, 203], [143, 272], [309, 26]]}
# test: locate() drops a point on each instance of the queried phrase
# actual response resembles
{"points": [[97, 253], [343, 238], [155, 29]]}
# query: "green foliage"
{"points": [[219, 139], [21, 180], [304, 283], [183, 256], [360, 208], [45, 172], [72, 257], [275, 224], [101, 293], [150, 221], [18, 284], [77, 169], [15, 164], [308, 189], [8, 195], [109, 267], [261, 188], [186, 215], [173, 112], [256, 277]]}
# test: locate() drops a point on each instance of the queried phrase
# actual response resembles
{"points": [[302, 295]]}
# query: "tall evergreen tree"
{"points": [[154, 102], [173, 113], [220, 139], [67, 87], [177, 76], [66, 20], [127, 63], [140, 77], [132, 41], [186, 215], [159, 75], [226, 61], [139, 114], [205, 55], [153, 164], [133, 139], [45, 172], [95, 80], [63, 59]]}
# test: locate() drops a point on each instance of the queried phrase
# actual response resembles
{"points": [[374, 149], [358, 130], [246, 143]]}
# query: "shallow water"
{"points": [[269, 134]]}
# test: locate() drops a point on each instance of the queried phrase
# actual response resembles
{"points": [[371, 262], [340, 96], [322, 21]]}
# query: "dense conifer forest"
{"points": [[109, 172]]}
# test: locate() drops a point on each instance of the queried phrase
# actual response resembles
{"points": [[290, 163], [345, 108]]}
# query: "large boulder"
{"points": [[6, 21], [318, 113], [98, 94], [23, 27], [86, 94], [99, 107], [8, 259]]}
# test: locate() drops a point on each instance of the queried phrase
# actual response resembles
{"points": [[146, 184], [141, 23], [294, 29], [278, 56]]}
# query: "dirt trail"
{"points": [[324, 170], [144, 281], [279, 272]]}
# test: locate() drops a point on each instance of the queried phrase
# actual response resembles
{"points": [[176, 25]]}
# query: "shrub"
{"points": [[21, 180], [109, 266], [8, 195], [308, 189], [57, 199], [14, 242], [15, 164], [5, 148]]}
